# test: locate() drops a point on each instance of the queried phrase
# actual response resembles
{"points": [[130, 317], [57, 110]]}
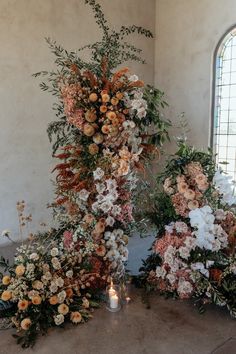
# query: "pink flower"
{"points": [[68, 238]]}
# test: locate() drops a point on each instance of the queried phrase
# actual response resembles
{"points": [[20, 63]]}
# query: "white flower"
{"points": [[83, 195], [116, 210], [169, 228], [61, 296], [106, 206], [100, 187], [56, 263], [220, 214], [184, 252], [59, 282], [59, 319], [98, 173], [69, 273], [110, 221], [172, 278], [34, 256], [181, 227], [30, 267], [160, 272], [133, 78], [184, 287], [53, 288], [225, 186], [54, 252]]}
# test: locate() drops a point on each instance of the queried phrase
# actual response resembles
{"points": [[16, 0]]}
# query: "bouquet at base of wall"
{"points": [[193, 255]]}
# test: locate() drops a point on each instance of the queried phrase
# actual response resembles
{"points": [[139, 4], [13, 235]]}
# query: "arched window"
{"points": [[224, 103]]}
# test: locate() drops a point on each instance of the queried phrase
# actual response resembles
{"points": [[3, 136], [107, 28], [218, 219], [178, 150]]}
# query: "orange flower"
{"points": [[93, 97], [105, 98], [115, 122], [93, 149], [23, 305], [193, 204], [6, 280], [98, 138], [103, 108], [105, 129], [111, 115], [90, 116], [125, 111], [88, 129], [101, 251], [20, 270], [88, 218], [69, 292], [114, 101], [63, 309], [75, 317], [100, 226], [36, 300], [53, 300], [119, 95], [6, 295], [25, 323], [114, 130]]}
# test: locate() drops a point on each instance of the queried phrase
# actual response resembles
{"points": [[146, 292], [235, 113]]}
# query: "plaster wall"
{"points": [[187, 33]]}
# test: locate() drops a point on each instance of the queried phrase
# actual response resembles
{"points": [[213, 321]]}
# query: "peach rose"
{"points": [[36, 300], [93, 97], [193, 204], [98, 138], [103, 108], [6, 295], [93, 149], [114, 101], [20, 270], [119, 95], [53, 300], [88, 129], [23, 305], [75, 317], [90, 116], [25, 323], [63, 309], [101, 251], [105, 98], [100, 226], [6, 280], [88, 218], [105, 129], [189, 194], [111, 115], [182, 187]]}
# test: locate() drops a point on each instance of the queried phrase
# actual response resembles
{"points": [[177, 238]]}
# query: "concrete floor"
{"points": [[169, 327]]}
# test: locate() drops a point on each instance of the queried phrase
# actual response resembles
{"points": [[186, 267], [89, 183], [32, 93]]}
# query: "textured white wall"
{"points": [[25, 111], [187, 32]]}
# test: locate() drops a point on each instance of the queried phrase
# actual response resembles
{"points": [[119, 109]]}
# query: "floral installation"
{"points": [[109, 126], [194, 252]]}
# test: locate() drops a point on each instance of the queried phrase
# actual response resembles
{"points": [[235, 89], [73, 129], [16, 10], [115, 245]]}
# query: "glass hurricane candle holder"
{"points": [[126, 291], [113, 298]]}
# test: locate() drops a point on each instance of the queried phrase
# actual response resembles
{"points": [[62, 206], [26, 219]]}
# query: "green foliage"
{"points": [[186, 154]]}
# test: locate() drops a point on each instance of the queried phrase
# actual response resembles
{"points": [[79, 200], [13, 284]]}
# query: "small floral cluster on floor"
{"points": [[194, 253], [102, 139]]}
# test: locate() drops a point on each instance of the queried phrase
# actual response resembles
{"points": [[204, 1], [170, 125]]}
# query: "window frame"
{"points": [[218, 50]]}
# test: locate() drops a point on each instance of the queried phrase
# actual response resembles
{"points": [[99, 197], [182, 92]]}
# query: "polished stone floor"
{"points": [[168, 327]]}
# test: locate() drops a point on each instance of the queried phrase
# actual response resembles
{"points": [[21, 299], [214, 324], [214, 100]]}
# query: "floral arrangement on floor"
{"points": [[109, 126], [194, 252]]}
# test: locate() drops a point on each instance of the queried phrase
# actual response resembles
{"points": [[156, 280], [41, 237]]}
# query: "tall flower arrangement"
{"points": [[194, 252], [108, 127]]}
